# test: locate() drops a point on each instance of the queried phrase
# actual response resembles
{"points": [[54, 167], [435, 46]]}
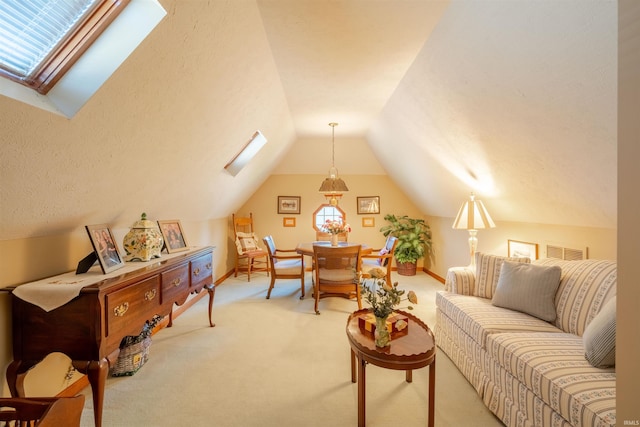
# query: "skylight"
{"points": [[30, 30]]}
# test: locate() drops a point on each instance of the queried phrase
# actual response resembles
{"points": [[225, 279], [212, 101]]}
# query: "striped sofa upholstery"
{"points": [[530, 372]]}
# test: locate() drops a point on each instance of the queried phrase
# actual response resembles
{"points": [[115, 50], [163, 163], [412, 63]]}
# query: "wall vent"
{"points": [[568, 254]]}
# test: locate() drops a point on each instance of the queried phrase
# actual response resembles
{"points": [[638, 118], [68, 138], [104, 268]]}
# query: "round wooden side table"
{"points": [[414, 349]]}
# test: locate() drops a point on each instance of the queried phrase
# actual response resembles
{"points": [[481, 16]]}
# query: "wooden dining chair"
{"points": [[284, 264], [41, 411], [380, 258], [336, 273], [250, 257]]}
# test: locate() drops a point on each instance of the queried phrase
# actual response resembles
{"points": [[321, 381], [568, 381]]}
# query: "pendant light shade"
{"points": [[333, 186]]}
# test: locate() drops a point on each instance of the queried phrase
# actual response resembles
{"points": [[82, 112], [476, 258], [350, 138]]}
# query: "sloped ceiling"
{"points": [[512, 99]]}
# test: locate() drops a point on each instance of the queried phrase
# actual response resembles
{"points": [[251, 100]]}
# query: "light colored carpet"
{"points": [[275, 363]]}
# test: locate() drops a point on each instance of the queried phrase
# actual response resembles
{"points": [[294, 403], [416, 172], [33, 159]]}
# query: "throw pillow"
{"points": [[599, 337], [383, 261], [246, 242], [528, 288], [488, 272]]}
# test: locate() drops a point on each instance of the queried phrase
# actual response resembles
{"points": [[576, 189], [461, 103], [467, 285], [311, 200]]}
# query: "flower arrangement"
{"points": [[335, 227], [382, 296]]}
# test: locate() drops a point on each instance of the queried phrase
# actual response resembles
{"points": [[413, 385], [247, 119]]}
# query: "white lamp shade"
{"points": [[473, 216]]}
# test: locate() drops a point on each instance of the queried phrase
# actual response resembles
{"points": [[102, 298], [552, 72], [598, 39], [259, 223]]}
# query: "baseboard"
{"points": [[434, 275]]}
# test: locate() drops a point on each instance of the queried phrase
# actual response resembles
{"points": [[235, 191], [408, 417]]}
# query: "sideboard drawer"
{"points": [[128, 308], [174, 283], [202, 271]]}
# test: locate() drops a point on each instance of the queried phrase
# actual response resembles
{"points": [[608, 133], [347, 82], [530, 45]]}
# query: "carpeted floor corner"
{"points": [[273, 362]]}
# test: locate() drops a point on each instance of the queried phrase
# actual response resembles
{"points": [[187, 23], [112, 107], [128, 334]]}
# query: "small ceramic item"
{"points": [[144, 241]]}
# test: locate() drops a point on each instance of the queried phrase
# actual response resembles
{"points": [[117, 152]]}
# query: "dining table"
{"points": [[307, 247]]}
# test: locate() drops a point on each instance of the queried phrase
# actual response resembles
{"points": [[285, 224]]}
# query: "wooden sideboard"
{"points": [[90, 327]]}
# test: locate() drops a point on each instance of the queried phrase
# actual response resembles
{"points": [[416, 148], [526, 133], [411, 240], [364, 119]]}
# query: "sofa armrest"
{"points": [[460, 280]]}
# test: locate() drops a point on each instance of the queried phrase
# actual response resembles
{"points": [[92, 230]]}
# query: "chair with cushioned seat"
{"points": [[336, 273], [247, 248], [381, 258], [284, 264]]}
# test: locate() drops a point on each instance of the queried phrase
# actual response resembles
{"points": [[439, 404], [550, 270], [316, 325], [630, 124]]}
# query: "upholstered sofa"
{"points": [[536, 340]]}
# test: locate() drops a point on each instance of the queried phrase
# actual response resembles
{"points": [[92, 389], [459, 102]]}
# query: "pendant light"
{"points": [[333, 186]]}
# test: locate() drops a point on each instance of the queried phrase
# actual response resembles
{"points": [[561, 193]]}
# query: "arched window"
{"points": [[327, 212]]}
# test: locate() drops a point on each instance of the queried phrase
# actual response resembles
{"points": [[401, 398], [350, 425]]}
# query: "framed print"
{"points": [[289, 222], [105, 248], [288, 204], [173, 235], [368, 221], [369, 205], [517, 248]]}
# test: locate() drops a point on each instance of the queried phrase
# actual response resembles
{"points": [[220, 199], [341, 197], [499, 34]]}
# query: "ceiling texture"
{"points": [[514, 100]]}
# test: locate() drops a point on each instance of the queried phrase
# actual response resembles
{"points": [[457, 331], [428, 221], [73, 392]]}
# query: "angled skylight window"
{"points": [[55, 54], [41, 39]]}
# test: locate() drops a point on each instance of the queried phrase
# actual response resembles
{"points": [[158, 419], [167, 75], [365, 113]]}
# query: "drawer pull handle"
{"points": [[209, 266], [176, 282], [196, 272], [121, 309], [149, 295]]}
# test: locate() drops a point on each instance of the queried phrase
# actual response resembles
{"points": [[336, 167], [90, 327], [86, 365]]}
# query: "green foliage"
{"points": [[414, 237]]}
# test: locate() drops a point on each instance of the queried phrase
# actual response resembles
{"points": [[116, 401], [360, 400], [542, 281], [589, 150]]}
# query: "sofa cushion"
{"points": [[528, 288], [585, 286], [600, 337], [553, 367], [488, 272], [478, 318]]}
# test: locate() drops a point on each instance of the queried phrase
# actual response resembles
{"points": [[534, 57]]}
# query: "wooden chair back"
{"points": [[41, 411], [336, 272]]}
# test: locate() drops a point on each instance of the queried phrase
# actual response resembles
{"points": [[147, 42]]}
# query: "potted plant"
{"points": [[414, 241]]}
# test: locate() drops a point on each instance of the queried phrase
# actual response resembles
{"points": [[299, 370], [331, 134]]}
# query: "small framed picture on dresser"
{"points": [[173, 235], [105, 248]]}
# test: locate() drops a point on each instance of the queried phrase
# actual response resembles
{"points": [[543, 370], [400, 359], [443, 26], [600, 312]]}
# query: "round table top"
{"points": [[307, 248], [413, 350]]}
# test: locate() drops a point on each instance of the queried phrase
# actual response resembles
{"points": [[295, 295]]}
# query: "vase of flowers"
{"points": [[335, 227], [383, 297]]}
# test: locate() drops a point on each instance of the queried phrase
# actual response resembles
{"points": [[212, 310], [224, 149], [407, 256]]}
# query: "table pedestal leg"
{"points": [[361, 391], [354, 377], [409, 375], [432, 391]]}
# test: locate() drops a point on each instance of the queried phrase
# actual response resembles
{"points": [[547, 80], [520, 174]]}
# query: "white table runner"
{"points": [[56, 291]]}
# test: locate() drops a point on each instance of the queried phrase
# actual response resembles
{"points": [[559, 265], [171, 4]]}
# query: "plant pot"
{"points": [[406, 268]]}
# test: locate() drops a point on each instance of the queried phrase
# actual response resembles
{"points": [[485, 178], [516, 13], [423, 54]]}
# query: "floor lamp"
{"points": [[473, 216]]}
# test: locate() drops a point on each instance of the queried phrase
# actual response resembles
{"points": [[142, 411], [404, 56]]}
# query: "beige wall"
{"points": [[263, 205]]}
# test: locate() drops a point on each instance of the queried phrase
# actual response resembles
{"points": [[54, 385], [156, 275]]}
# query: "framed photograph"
{"points": [[288, 204], [368, 205], [368, 221], [105, 248], [173, 235], [289, 222], [517, 248]]}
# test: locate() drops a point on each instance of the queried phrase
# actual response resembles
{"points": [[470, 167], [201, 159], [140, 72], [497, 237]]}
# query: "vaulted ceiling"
{"points": [[515, 100], [512, 99]]}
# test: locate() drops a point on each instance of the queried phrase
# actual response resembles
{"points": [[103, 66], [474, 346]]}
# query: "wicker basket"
{"points": [[134, 350], [131, 358]]}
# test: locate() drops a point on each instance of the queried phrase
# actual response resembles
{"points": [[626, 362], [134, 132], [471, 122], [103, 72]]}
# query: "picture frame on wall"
{"points": [[368, 221], [173, 235], [105, 248], [289, 221], [289, 205], [368, 205], [517, 248]]}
